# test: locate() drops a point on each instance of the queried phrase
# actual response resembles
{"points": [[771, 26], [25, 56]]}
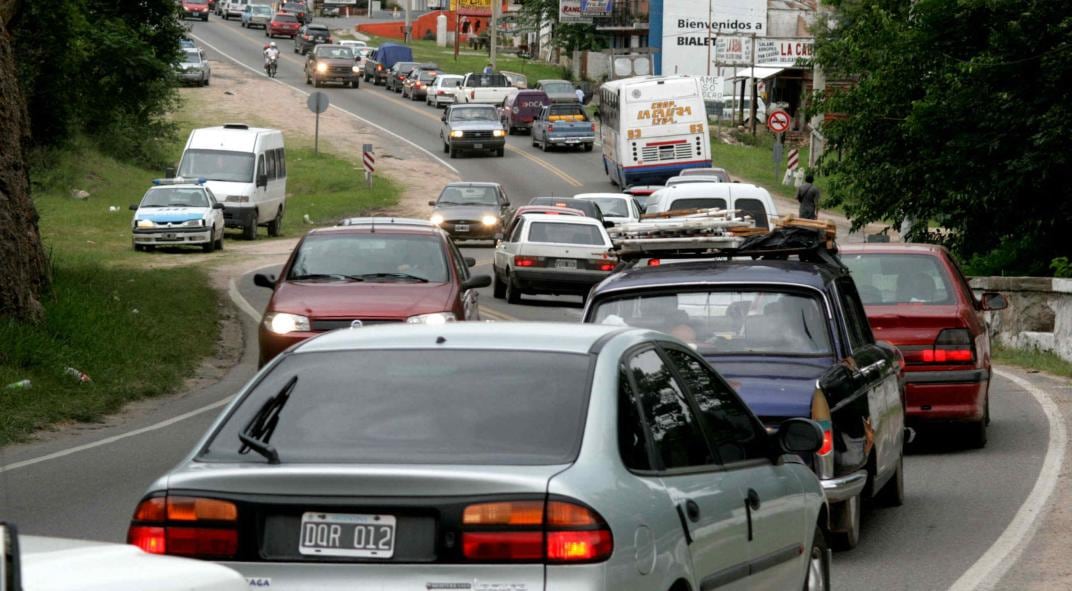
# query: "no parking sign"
{"points": [[778, 121]]}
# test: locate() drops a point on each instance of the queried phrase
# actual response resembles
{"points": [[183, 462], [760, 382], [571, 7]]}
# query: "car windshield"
{"points": [[175, 197], [449, 82], [217, 165], [421, 407], [191, 57], [334, 52], [887, 278], [316, 30], [611, 206], [371, 257], [729, 321], [428, 76], [285, 18], [468, 196], [474, 114], [564, 233], [260, 9], [557, 87], [488, 81]]}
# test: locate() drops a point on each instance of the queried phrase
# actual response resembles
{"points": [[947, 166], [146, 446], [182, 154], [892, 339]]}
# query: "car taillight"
{"points": [[820, 413], [606, 266], [534, 531], [185, 526], [654, 262], [524, 261], [953, 345], [593, 127], [550, 128]]}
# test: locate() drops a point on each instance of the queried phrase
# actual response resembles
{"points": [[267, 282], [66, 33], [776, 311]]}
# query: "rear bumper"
{"points": [[553, 281], [843, 488], [953, 395], [285, 576], [571, 140]]}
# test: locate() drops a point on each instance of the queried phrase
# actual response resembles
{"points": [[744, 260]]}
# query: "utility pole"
{"points": [[406, 27], [754, 106], [496, 7]]}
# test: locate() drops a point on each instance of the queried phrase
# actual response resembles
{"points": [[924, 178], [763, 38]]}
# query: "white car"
{"points": [[552, 254], [746, 199], [177, 212], [352, 43], [693, 178], [441, 92], [32, 563], [619, 208]]}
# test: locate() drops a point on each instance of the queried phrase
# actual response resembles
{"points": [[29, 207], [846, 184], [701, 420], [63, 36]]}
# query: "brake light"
{"points": [[606, 266], [185, 526], [524, 261], [550, 128], [654, 262], [820, 413], [534, 531], [953, 345]]}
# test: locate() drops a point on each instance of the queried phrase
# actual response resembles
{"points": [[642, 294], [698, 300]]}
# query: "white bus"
{"points": [[652, 128]]}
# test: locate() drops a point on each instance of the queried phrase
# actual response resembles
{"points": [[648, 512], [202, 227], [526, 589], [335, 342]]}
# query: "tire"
{"points": [[453, 152], [534, 143], [355, 84], [892, 494], [513, 292], [211, 244], [275, 227], [219, 242], [498, 288], [446, 148], [308, 80], [500, 152], [588, 147], [316, 83], [976, 434], [204, 19], [818, 574], [249, 231], [544, 146], [847, 540]]}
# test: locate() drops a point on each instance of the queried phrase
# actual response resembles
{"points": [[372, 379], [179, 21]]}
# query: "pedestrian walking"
{"points": [[580, 95], [808, 196]]}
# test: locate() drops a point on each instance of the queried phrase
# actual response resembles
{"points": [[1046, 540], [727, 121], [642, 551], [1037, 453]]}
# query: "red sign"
{"points": [[778, 121], [370, 161]]}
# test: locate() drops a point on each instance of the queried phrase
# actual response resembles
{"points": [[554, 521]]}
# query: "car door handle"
{"points": [[692, 510], [751, 503]]}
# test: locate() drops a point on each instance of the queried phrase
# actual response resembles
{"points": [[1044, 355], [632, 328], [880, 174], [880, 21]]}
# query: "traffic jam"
{"points": [[735, 400]]}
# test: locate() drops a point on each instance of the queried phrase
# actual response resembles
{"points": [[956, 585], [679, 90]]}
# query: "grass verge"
{"points": [[474, 61], [1032, 359], [754, 164]]}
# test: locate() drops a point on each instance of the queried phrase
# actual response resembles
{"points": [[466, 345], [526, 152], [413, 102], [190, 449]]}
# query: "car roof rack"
{"points": [[386, 221], [724, 235]]}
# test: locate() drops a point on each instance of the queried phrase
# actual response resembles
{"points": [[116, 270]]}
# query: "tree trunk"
{"points": [[24, 272]]}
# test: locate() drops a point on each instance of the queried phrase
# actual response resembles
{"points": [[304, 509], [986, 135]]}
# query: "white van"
{"points": [[748, 199], [246, 168]]}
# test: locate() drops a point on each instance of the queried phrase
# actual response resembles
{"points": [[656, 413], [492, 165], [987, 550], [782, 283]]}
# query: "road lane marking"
{"points": [[497, 315], [240, 301], [992, 566], [336, 107]]}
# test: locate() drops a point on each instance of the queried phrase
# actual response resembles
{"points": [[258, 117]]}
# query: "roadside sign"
{"points": [[794, 159], [318, 102], [368, 158], [778, 121]]}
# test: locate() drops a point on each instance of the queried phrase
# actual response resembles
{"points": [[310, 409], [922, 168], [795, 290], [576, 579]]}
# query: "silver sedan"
{"points": [[495, 456]]}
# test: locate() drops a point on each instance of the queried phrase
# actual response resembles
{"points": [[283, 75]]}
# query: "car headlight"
{"points": [[283, 323], [437, 218], [489, 220], [355, 69], [499, 133], [145, 224], [434, 319], [194, 223], [457, 133], [321, 68]]}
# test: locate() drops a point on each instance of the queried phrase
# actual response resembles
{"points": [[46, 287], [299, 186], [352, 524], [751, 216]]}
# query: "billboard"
{"points": [[699, 35], [569, 11], [597, 8], [472, 7]]}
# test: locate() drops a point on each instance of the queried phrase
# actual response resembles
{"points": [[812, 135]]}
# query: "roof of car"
{"points": [[603, 196], [378, 225], [523, 336], [720, 272], [566, 219], [893, 247], [472, 184]]}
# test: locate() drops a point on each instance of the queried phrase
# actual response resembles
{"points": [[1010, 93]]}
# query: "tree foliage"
{"points": [[99, 67], [960, 112], [567, 36]]}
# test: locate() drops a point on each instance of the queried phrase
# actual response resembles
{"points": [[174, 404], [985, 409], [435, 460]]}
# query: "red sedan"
{"points": [[917, 298], [367, 271], [282, 25]]}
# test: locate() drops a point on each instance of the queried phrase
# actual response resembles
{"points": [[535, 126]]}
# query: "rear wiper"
{"points": [[394, 276], [325, 276], [260, 428]]}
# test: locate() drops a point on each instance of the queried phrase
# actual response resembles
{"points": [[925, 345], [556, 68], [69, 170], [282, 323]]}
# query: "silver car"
{"points": [[495, 456], [193, 68]]}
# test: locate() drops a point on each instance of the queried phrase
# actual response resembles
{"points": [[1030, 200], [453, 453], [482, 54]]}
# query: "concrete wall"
{"points": [[1039, 313]]}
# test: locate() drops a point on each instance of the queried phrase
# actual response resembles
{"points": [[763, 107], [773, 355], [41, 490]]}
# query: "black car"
{"points": [[398, 74], [792, 337], [298, 10], [309, 36], [471, 211]]}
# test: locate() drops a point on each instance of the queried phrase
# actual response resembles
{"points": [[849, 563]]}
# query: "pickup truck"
{"points": [[563, 125], [486, 89]]}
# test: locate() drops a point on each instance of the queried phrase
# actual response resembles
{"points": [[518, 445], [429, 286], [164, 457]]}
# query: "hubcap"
{"points": [[816, 578]]}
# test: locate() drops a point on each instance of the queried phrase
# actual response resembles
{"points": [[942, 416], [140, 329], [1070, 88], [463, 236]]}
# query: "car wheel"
{"points": [[892, 494], [219, 241], [211, 244], [849, 519], [316, 83], [453, 151], [818, 578], [275, 227], [204, 18], [976, 436], [308, 80], [355, 84], [544, 146], [446, 148], [588, 147], [500, 152], [206, 80], [513, 292], [534, 143], [249, 231], [498, 288]]}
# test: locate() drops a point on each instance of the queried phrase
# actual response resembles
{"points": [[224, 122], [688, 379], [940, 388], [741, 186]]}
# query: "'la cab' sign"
{"points": [[664, 113]]}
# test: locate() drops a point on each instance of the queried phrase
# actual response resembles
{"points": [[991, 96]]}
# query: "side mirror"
{"points": [[607, 224], [133, 207], [217, 205], [262, 280], [262, 180], [470, 262], [10, 564], [800, 436], [476, 282], [443, 118], [993, 301], [432, 203]]}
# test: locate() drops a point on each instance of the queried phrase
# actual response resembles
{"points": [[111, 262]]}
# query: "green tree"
{"points": [[957, 111], [566, 36]]}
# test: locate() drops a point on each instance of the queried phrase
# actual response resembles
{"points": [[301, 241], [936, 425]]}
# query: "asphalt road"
{"points": [[84, 482]]}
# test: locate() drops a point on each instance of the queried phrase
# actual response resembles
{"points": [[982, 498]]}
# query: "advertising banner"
{"points": [[596, 8], [473, 7], [569, 11], [699, 33]]}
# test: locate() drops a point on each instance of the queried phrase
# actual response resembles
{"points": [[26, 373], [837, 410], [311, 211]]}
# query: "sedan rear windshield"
{"points": [[420, 407], [552, 232], [370, 257], [611, 206], [899, 278], [728, 322], [698, 203], [558, 87], [285, 18]]}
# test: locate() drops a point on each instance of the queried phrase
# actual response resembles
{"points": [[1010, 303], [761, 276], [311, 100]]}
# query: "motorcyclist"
{"points": [[271, 54]]}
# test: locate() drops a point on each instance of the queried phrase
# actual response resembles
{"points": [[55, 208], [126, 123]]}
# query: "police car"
{"points": [[178, 212]]}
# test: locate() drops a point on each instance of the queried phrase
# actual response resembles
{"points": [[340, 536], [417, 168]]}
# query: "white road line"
{"points": [[336, 107], [115, 438], [240, 301], [988, 571]]}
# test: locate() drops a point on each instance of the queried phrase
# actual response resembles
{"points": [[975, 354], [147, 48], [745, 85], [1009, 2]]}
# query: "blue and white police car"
{"points": [[177, 212]]}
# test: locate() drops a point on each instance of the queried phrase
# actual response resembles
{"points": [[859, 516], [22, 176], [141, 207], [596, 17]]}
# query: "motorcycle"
{"points": [[270, 65]]}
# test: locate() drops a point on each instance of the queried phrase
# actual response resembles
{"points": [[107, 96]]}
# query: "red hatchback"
{"points": [[917, 298], [283, 25], [367, 271]]}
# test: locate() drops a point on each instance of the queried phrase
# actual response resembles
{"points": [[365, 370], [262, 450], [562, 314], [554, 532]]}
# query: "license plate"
{"points": [[461, 227], [170, 237], [565, 264], [573, 141], [478, 146], [343, 534]]}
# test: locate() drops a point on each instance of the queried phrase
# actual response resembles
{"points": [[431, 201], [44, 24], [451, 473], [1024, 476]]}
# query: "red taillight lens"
{"points": [[654, 262], [524, 261], [579, 546], [953, 345], [532, 531], [149, 539], [828, 439], [201, 542], [185, 526], [606, 266], [503, 546]]}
